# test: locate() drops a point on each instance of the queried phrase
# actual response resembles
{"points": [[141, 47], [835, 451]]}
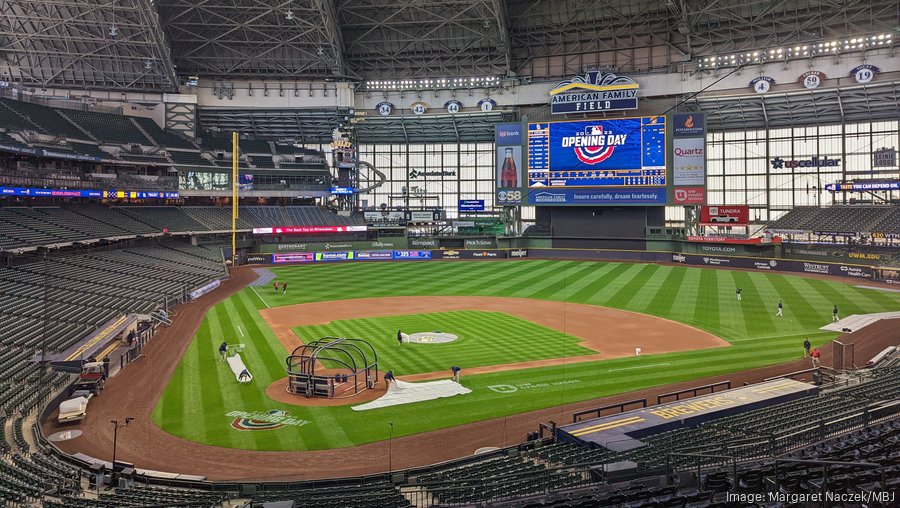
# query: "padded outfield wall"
{"points": [[849, 270]]}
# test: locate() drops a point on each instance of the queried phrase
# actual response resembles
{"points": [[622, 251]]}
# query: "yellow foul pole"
{"points": [[234, 196]]}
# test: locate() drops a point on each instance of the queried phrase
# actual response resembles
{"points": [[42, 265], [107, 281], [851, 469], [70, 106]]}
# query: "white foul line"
{"points": [[260, 298], [640, 367], [242, 331]]}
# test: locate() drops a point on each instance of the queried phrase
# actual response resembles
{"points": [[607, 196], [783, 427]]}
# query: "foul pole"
{"points": [[234, 196]]}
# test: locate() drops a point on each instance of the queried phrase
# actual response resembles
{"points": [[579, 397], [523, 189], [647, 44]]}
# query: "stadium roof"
{"points": [[147, 44]]}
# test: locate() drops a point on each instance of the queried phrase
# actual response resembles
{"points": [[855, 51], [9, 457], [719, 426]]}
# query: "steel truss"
{"points": [[809, 107], [461, 127], [254, 38], [132, 44], [403, 38], [555, 38], [301, 125], [104, 44]]}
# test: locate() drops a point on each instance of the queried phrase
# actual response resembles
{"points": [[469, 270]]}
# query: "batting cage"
{"points": [[332, 367]]}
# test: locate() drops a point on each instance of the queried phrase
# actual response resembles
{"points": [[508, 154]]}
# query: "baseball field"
{"points": [[511, 363]]}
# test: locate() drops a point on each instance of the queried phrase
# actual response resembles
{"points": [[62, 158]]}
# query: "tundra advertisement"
{"points": [[725, 215]]}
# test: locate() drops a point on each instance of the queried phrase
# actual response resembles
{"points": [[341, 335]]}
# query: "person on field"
{"points": [[834, 314], [806, 346], [780, 309], [388, 377], [223, 350], [399, 338], [284, 287], [245, 374], [276, 287], [739, 294], [455, 370], [815, 357]]}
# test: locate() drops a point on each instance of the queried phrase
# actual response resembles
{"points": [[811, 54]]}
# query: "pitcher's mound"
{"points": [[432, 337]]}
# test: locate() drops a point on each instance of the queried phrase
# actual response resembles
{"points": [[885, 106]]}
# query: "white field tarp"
{"points": [[400, 392], [237, 366]]}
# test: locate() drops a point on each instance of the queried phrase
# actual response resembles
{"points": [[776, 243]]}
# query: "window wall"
{"points": [[740, 165], [433, 174]]}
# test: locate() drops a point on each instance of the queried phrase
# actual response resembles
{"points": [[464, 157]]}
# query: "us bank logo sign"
{"points": [[594, 91]]}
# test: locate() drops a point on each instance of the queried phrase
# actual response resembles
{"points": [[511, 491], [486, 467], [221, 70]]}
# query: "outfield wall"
{"points": [[638, 256]]}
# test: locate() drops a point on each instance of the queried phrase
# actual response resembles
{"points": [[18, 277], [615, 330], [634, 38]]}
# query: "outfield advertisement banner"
{"points": [[747, 263], [759, 240], [337, 256], [713, 260], [378, 255], [202, 290], [295, 257], [412, 254], [259, 259], [423, 243], [469, 254], [386, 243], [480, 243]]}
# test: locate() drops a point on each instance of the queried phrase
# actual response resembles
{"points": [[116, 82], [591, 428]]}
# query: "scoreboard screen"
{"points": [[610, 154]]}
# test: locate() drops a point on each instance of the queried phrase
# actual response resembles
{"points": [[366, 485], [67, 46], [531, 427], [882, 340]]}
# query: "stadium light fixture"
{"points": [[289, 15], [113, 30], [797, 51]]}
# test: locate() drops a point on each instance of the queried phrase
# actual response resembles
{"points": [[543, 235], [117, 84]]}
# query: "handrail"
{"points": [[598, 410], [693, 391]]}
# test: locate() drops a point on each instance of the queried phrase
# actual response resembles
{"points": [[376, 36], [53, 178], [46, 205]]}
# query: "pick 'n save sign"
{"points": [[725, 215]]}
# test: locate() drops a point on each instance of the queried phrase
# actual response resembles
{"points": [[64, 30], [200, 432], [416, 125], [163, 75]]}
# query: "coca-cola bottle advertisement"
{"points": [[509, 163]]}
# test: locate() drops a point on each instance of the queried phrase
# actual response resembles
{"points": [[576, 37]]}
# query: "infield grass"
{"points": [[484, 338], [203, 390]]}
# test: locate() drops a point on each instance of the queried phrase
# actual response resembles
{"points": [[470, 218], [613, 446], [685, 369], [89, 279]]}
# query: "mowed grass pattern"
{"points": [[203, 390], [484, 338]]}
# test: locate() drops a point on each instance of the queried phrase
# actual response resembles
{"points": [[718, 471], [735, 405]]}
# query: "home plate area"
{"points": [[430, 337]]}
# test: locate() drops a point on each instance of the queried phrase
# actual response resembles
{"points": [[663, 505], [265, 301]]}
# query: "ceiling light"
{"points": [[289, 15]]}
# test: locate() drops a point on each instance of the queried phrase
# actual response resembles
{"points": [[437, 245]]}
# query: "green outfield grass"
{"points": [[203, 390], [484, 338]]}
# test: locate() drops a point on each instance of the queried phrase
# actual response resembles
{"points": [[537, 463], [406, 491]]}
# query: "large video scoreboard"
{"points": [[604, 161]]}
